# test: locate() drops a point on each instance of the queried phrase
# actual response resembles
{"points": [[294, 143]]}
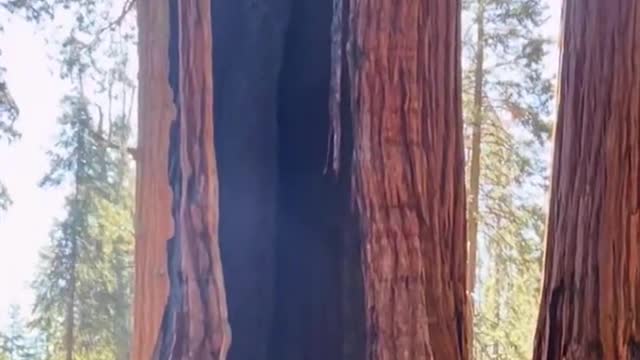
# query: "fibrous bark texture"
{"points": [[409, 175], [590, 307], [153, 196], [195, 323]]}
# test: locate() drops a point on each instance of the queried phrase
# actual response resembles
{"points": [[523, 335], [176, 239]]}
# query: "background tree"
{"points": [[16, 343], [506, 105], [83, 288], [589, 306]]}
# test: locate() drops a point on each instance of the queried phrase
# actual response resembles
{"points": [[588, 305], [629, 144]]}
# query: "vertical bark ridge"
{"points": [[153, 196], [589, 306], [195, 324], [335, 86], [408, 175]]}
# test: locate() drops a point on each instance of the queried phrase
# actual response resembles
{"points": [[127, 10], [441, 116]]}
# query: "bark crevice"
{"points": [[195, 321]]}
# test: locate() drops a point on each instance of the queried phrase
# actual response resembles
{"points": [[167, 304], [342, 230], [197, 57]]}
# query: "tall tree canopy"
{"points": [[506, 103], [83, 287]]}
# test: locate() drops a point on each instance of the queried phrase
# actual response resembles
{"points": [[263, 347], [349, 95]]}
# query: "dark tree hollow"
{"points": [[291, 267]]}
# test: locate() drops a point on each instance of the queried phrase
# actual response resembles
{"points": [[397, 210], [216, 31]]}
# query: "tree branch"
{"points": [[111, 145]]}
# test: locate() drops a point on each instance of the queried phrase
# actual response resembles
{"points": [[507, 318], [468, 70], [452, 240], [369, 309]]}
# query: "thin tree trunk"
{"points": [[79, 197], [71, 302], [409, 175], [474, 168], [476, 141], [590, 307], [496, 322]]}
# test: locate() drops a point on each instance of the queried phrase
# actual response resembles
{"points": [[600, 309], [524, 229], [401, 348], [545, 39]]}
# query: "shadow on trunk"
{"points": [[292, 270]]}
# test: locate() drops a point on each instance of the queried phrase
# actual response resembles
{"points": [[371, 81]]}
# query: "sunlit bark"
{"points": [[590, 307]]}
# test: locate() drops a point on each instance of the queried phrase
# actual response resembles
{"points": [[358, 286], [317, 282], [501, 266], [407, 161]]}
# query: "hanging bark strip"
{"points": [[335, 87], [195, 324], [590, 307], [409, 175]]}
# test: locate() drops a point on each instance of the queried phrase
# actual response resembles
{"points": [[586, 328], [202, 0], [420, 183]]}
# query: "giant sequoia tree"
{"points": [[590, 302], [408, 173], [347, 249]]}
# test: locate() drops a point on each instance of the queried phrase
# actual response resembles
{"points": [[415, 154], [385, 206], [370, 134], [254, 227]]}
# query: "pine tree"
{"points": [[16, 343], [83, 289], [506, 101]]}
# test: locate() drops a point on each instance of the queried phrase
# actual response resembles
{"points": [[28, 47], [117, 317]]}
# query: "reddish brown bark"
{"points": [[194, 324], [590, 306], [404, 62], [153, 195]]}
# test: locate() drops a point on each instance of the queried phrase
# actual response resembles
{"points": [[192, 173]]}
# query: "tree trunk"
{"points": [[194, 322], [404, 62], [272, 65], [71, 302], [153, 222], [474, 167], [590, 307], [476, 148]]}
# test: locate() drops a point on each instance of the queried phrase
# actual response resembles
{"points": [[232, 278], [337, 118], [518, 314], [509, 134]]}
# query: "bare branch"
{"points": [[111, 145]]}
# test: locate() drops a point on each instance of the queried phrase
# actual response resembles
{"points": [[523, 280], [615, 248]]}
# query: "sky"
{"points": [[25, 227], [37, 90]]}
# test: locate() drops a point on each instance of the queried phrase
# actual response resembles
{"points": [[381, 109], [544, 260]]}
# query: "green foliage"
{"points": [[16, 343], [514, 84], [83, 287], [516, 99], [8, 111]]}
